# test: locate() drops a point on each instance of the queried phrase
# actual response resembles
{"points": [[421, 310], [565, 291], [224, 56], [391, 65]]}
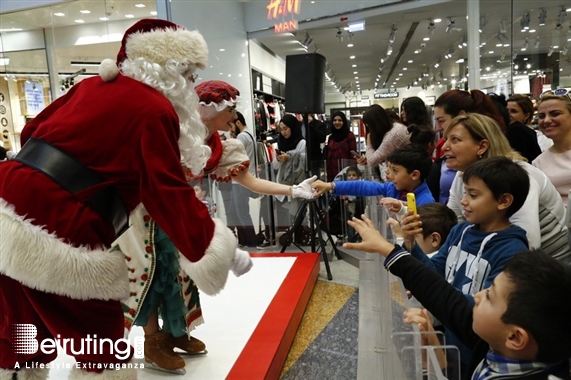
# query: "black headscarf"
{"points": [[341, 133], [285, 145]]}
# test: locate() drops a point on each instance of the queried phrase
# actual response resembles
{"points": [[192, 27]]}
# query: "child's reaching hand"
{"points": [[372, 240], [392, 204], [429, 338], [320, 187]]}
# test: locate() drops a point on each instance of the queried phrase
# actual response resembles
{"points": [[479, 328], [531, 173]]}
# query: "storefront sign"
{"points": [[386, 95], [364, 97], [279, 9]]}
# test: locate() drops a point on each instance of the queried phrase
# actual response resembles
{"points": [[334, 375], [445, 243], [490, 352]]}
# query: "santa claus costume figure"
{"points": [[66, 197], [160, 287]]}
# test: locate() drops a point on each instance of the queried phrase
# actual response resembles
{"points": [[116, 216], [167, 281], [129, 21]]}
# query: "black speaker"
{"points": [[305, 81]]}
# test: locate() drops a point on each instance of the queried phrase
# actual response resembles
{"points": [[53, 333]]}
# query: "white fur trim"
{"points": [[25, 373], [158, 46], [108, 70], [211, 272], [222, 105], [108, 374], [40, 260]]}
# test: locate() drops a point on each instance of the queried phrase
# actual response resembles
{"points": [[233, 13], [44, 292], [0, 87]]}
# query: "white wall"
{"points": [[266, 63]]}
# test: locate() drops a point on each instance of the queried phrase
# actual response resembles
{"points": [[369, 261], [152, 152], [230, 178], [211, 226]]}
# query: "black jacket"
{"points": [[524, 140]]}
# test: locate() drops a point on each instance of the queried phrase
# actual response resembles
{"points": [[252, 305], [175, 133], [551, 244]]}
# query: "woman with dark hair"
{"points": [[424, 135], [340, 144], [383, 136], [413, 111], [289, 161], [520, 136]]}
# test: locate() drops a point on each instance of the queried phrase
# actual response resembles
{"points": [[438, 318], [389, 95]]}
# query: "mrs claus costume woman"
{"points": [[158, 280]]}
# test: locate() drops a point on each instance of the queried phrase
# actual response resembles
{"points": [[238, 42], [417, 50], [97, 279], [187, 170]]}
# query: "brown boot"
{"points": [[159, 351], [191, 346]]}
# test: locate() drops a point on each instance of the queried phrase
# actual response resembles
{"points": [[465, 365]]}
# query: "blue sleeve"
{"points": [[360, 188]]}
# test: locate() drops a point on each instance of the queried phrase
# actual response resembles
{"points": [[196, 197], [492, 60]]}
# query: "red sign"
{"points": [[279, 9]]}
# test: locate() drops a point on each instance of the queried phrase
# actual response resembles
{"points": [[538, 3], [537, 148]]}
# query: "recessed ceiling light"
{"points": [[59, 14], [356, 77], [85, 11], [222, 49], [437, 20], [531, 31], [79, 21], [352, 57], [104, 18], [140, 5], [130, 16], [426, 39], [349, 45], [353, 65], [356, 81], [410, 61], [400, 74], [404, 68], [153, 13], [355, 72]]}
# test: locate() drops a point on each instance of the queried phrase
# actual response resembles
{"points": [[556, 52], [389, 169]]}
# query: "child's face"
{"points": [[199, 192], [403, 180], [388, 172], [491, 304], [352, 176], [427, 244], [480, 206]]}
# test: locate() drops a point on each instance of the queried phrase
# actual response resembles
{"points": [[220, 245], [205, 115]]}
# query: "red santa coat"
{"points": [[127, 133]]}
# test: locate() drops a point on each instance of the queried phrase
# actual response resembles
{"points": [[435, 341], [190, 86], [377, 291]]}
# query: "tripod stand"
{"points": [[321, 227]]}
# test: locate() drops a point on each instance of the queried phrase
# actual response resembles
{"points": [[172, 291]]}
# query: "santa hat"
{"points": [[217, 94], [157, 41]]}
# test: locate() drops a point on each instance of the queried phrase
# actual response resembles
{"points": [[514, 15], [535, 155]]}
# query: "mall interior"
{"points": [[376, 52]]}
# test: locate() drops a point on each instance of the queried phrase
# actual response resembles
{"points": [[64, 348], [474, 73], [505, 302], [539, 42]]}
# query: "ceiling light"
{"points": [[85, 11], [393, 35], [153, 13], [483, 22], [59, 14], [355, 72], [503, 28], [525, 45], [353, 65], [79, 21], [104, 18], [437, 20], [451, 25], [431, 26], [437, 64], [410, 61], [461, 60], [349, 45], [390, 49], [561, 18], [339, 35], [130, 15], [524, 22], [542, 16], [307, 40], [426, 39], [405, 68], [357, 26], [352, 57], [140, 5]]}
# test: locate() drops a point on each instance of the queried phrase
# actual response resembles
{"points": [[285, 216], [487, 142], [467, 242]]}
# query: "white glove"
{"points": [[304, 190], [242, 263]]}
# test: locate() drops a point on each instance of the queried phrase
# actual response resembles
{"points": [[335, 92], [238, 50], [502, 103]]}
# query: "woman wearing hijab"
{"points": [[289, 161], [341, 143]]}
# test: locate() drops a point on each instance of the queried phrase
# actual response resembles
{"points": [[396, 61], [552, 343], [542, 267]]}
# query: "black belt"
{"points": [[74, 176]]}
